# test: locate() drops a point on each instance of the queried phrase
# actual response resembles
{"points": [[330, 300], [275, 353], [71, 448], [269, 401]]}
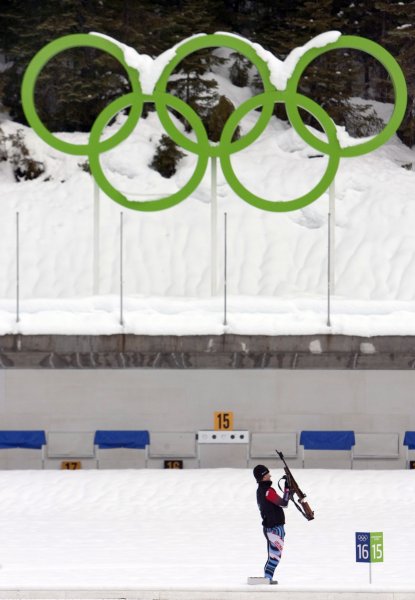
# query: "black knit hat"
{"points": [[259, 472]]}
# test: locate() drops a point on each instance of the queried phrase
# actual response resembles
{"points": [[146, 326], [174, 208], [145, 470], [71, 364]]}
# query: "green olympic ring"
{"points": [[399, 86], [32, 73], [201, 147], [334, 158], [210, 41], [120, 104]]}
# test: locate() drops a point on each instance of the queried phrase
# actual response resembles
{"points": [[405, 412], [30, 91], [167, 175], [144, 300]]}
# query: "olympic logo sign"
{"points": [[226, 147]]}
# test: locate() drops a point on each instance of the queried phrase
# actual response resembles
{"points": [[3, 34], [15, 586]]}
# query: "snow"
{"points": [[281, 70], [198, 529], [277, 262], [148, 68], [246, 315]]}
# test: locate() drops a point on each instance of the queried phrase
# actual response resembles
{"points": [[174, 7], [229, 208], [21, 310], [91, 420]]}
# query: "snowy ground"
{"points": [[197, 528]]}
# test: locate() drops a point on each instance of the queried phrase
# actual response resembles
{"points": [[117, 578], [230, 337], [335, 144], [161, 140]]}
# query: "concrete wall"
{"points": [[185, 400]]}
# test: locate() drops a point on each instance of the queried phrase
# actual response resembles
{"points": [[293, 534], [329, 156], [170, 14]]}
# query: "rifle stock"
{"points": [[303, 506]]}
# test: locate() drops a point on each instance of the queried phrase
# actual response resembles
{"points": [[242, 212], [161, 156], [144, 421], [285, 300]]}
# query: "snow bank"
{"points": [[246, 315], [273, 258]]}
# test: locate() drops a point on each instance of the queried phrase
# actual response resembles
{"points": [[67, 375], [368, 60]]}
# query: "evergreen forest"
{"points": [[77, 84]]}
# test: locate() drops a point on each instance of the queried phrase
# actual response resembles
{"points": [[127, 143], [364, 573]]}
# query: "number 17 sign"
{"points": [[369, 548]]}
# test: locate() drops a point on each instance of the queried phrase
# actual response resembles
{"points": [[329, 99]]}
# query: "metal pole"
{"points": [[328, 272], [95, 260], [332, 211], [225, 282], [213, 225], [17, 270], [121, 269]]}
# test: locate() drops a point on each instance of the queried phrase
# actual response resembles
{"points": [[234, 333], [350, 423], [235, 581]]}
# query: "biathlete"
{"points": [[271, 507]]}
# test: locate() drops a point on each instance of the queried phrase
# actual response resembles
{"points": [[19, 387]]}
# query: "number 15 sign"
{"points": [[369, 548]]}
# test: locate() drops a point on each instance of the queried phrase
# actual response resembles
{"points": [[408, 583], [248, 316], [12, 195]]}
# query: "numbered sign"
{"points": [[369, 546], [376, 547], [223, 421], [173, 464], [362, 546], [71, 465]]}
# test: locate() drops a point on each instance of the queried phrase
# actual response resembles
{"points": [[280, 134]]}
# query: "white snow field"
{"points": [[277, 262], [198, 530], [196, 534]]}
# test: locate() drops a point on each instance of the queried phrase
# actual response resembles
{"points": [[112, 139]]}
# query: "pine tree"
{"points": [[75, 85], [217, 117], [166, 158], [25, 167], [326, 79], [192, 80], [3, 149], [239, 70], [399, 38]]}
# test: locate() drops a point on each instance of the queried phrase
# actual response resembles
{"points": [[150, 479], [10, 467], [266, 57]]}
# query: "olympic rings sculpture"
{"points": [[135, 100]]}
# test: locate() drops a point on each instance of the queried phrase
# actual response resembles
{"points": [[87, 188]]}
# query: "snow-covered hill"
{"points": [[167, 254]]}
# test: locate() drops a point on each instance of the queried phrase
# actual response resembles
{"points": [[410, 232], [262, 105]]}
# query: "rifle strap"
{"points": [[298, 506]]}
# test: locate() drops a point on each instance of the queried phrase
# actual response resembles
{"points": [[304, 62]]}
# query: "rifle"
{"points": [[302, 506]]}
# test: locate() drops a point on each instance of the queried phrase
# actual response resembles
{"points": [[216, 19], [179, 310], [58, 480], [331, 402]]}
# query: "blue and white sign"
{"points": [[362, 546], [369, 548]]}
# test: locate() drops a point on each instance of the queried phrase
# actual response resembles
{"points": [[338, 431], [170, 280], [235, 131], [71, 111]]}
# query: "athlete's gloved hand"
{"points": [[286, 495]]}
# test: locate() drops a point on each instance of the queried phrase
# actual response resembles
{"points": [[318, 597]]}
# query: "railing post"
{"points": [[95, 258], [225, 272], [328, 269], [213, 226], [332, 211], [121, 270], [330, 250], [17, 269]]}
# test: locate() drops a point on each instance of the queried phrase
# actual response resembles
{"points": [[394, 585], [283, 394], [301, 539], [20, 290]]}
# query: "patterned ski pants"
{"points": [[275, 543]]}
